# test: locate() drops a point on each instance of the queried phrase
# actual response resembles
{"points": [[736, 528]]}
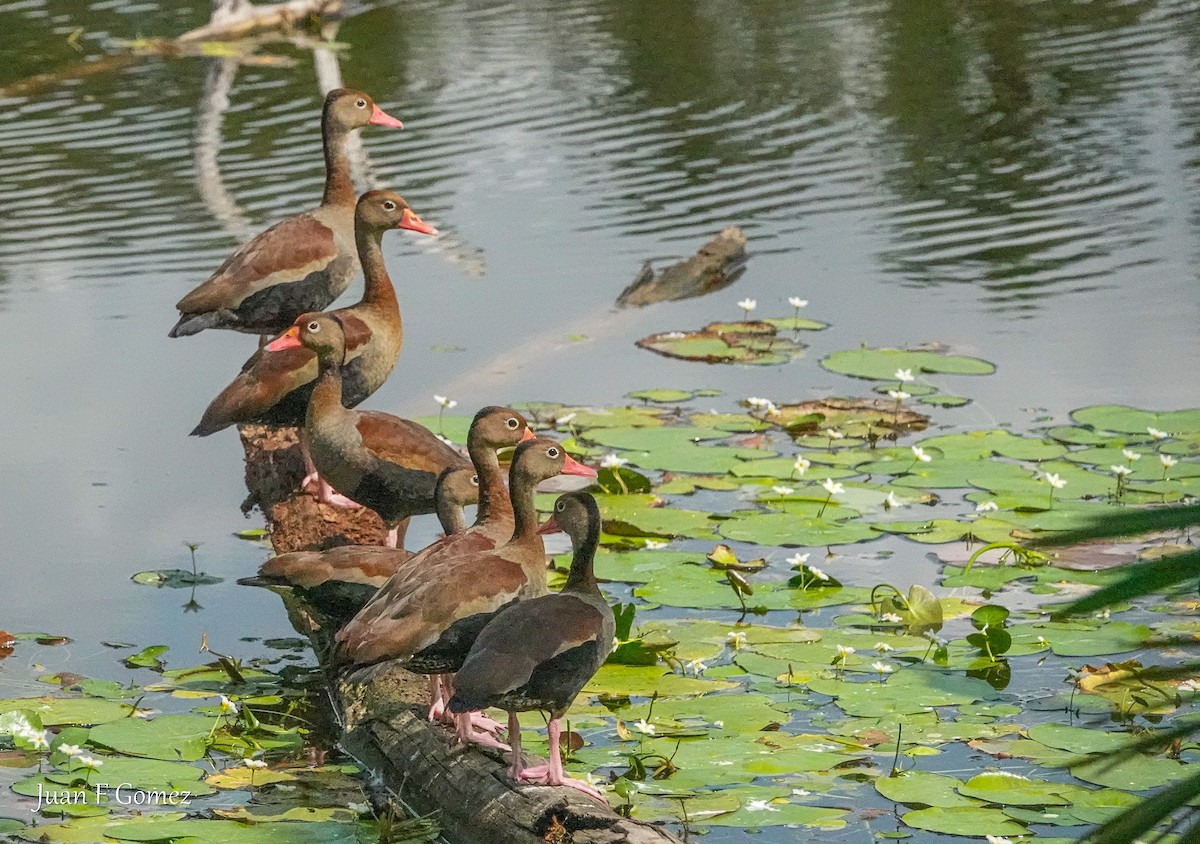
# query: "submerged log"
{"points": [[718, 264], [421, 768], [233, 19]]}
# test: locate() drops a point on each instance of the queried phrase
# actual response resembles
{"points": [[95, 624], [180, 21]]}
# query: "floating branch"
{"points": [[718, 264]]}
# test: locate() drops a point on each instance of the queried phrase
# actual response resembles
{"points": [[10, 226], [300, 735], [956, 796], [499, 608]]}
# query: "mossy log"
{"points": [[716, 265], [465, 789]]}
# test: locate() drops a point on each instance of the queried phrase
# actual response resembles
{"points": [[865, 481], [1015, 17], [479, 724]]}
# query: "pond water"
{"points": [[1019, 182]]}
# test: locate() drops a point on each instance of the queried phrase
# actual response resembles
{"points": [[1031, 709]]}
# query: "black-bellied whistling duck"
{"points": [[338, 582], [274, 386], [426, 618], [538, 654], [300, 264], [378, 460]]}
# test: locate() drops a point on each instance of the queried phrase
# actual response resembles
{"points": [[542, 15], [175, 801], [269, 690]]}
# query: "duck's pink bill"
{"points": [[414, 223], [379, 117], [290, 339], [574, 467], [549, 526]]}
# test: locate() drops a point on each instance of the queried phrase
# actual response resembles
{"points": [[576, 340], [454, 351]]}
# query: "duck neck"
{"points": [[582, 577], [377, 285], [449, 513], [339, 189], [520, 489], [327, 392], [494, 504]]}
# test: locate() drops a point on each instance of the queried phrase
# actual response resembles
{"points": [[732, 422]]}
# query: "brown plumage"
{"points": [[274, 386], [426, 617], [300, 264], [380, 461], [338, 582], [539, 654]]}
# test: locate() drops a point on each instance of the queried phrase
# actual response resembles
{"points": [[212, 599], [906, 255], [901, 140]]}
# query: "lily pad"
{"points": [[1131, 420], [965, 821], [170, 737], [174, 579], [923, 788], [881, 364], [55, 712], [792, 530], [752, 342]]}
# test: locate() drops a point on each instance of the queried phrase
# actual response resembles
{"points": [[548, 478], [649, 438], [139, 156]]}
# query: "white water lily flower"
{"points": [[645, 727], [817, 573], [90, 762], [1157, 434], [797, 302], [256, 764], [986, 507], [834, 434], [883, 647], [227, 706], [891, 618], [783, 490], [797, 560], [748, 305], [674, 335], [921, 454], [1130, 454], [563, 420], [998, 839], [844, 651], [696, 666], [899, 395], [1055, 481], [736, 640], [801, 792], [760, 806], [756, 401], [40, 740], [445, 402], [1104, 613], [801, 465], [612, 461], [70, 749], [1121, 471], [720, 725], [1167, 461], [891, 501], [654, 545], [359, 808], [904, 376], [833, 487], [883, 667]]}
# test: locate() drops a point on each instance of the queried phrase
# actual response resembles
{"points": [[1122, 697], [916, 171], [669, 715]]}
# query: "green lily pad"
{"points": [[1078, 740], [1131, 420], [752, 342], [174, 579], [55, 712], [962, 820], [663, 396], [1013, 790], [170, 737], [1134, 773], [793, 530], [643, 515], [923, 788], [881, 364]]}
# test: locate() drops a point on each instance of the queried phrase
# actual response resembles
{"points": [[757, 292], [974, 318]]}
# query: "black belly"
{"points": [[555, 683], [275, 308], [396, 493], [446, 655]]}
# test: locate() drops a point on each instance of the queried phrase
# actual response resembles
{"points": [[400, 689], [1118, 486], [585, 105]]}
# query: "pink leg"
{"points": [[552, 772], [478, 720], [437, 704], [324, 492], [393, 537], [467, 734], [514, 742]]}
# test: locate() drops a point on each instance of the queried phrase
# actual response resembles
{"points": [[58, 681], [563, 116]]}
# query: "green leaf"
{"points": [[171, 737], [174, 579], [922, 788], [881, 364], [966, 821]]}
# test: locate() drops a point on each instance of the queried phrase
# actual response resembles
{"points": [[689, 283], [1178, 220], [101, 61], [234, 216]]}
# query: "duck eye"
{"points": [[361, 103], [475, 480], [314, 326], [513, 423], [552, 452], [388, 205], [560, 506]]}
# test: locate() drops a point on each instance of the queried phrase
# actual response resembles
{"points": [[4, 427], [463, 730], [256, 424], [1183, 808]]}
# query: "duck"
{"points": [[339, 582], [538, 654], [426, 617], [300, 264], [275, 383], [374, 459]]}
